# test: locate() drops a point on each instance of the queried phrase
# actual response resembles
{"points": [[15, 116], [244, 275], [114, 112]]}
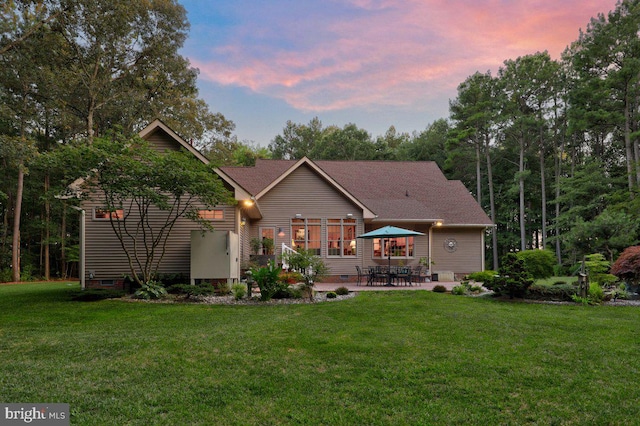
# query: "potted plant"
{"points": [[264, 245]]}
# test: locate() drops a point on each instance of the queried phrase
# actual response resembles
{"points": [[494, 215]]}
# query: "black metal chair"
{"points": [[360, 275]]}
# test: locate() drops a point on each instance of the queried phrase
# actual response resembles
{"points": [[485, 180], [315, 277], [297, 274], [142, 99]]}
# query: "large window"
{"points": [[216, 214], [306, 234], [400, 247], [103, 214], [341, 237]]}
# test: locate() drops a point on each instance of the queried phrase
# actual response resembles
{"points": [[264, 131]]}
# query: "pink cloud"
{"points": [[386, 52]]}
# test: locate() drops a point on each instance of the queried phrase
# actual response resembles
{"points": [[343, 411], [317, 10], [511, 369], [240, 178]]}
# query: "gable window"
{"points": [[399, 247], [306, 234], [341, 237], [104, 214], [216, 214]]}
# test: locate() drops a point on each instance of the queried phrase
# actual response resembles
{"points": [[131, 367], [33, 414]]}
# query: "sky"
{"points": [[374, 63]]}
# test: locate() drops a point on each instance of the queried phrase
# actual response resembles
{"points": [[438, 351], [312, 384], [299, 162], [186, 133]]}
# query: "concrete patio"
{"points": [[331, 286]]}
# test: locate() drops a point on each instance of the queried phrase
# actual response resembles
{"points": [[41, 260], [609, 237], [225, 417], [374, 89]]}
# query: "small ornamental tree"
{"points": [[513, 279], [146, 193], [627, 266], [311, 267]]}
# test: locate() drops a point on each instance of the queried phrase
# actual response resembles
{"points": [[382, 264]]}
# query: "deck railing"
{"points": [[286, 249]]}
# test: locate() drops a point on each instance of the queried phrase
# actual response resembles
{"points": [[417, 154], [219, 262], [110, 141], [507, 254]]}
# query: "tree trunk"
{"points": [[523, 234], [478, 174], [15, 249], [628, 147], [494, 233], [47, 227], [543, 193], [63, 243]]}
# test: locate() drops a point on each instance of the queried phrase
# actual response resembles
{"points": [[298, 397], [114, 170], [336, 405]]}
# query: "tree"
{"points": [[127, 175], [627, 266], [297, 140], [347, 143]]}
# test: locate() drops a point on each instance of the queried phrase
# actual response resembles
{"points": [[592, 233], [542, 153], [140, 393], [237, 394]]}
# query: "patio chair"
{"points": [[360, 275], [417, 272]]}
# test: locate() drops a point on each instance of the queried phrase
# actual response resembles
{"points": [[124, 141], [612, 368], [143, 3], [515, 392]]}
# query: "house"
{"points": [[318, 205]]}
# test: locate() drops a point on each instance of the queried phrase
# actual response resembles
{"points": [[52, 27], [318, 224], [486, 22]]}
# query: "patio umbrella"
{"points": [[389, 232]]}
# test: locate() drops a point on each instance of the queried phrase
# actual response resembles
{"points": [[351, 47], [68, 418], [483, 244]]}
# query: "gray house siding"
{"points": [[106, 261], [468, 254], [308, 194]]}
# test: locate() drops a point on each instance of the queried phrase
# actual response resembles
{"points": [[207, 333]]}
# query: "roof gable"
{"points": [[158, 126], [387, 190]]}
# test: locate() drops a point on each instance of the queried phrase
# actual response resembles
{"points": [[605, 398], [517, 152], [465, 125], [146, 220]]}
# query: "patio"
{"points": [[331, 286]]}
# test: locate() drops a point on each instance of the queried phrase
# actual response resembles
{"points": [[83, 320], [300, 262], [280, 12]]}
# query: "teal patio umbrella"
{"points": [[389, 232]]}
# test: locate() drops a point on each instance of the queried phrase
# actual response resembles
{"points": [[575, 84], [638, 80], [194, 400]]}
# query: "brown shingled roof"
{"points": [[394, 190]]}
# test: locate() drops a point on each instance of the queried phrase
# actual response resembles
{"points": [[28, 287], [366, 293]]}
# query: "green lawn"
{"points": [[396, 358]]}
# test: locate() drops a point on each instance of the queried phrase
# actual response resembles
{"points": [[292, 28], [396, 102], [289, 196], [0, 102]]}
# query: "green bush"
{"points": [[239, 290], [539, 263], [563, 292], [95, 294], [5, 275], [331, 295], [513, 279], [439, 289], [459, 290], [596, 293], [268, 280], [150, 290], [484, 277], [188, 290], [342, 291]]}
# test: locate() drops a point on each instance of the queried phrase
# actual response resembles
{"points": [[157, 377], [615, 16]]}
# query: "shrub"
{"points": [[484, 277], [342, 291], [331, 295], [150, 290], [513, 279], [459, 290], [239, 290], [222, 288], [291, 277], [5, 275], [188, 290], [268, 280], [538, 263], [564, 292], [439, 289], [627, 266], [95, 294], [596, 293]]}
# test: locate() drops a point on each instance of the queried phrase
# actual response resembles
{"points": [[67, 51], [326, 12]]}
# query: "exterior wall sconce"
{"points": [[243, 221], [298, 215], [349, 216], [280, 233]]}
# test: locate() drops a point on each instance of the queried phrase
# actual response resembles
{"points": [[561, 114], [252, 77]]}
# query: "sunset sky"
{"points": [[375, 63]]}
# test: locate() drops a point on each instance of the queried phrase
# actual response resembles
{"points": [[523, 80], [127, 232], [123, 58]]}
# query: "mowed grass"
{"points": [[381, 358]]}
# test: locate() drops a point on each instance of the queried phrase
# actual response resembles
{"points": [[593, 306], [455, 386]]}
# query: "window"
{"points": [[306, 234], [217, 214], [400, 247], [341, 237], [99, 213]]}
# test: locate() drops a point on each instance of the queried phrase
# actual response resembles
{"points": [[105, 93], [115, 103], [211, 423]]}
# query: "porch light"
{"points": [[280, 233], [439, 223], [248, 203], [243, 221]]}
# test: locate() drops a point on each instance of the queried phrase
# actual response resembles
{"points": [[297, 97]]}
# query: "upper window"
{"points": [[306, 234], [216, 214], [341, 237], [116, 214], [399, 247]]}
